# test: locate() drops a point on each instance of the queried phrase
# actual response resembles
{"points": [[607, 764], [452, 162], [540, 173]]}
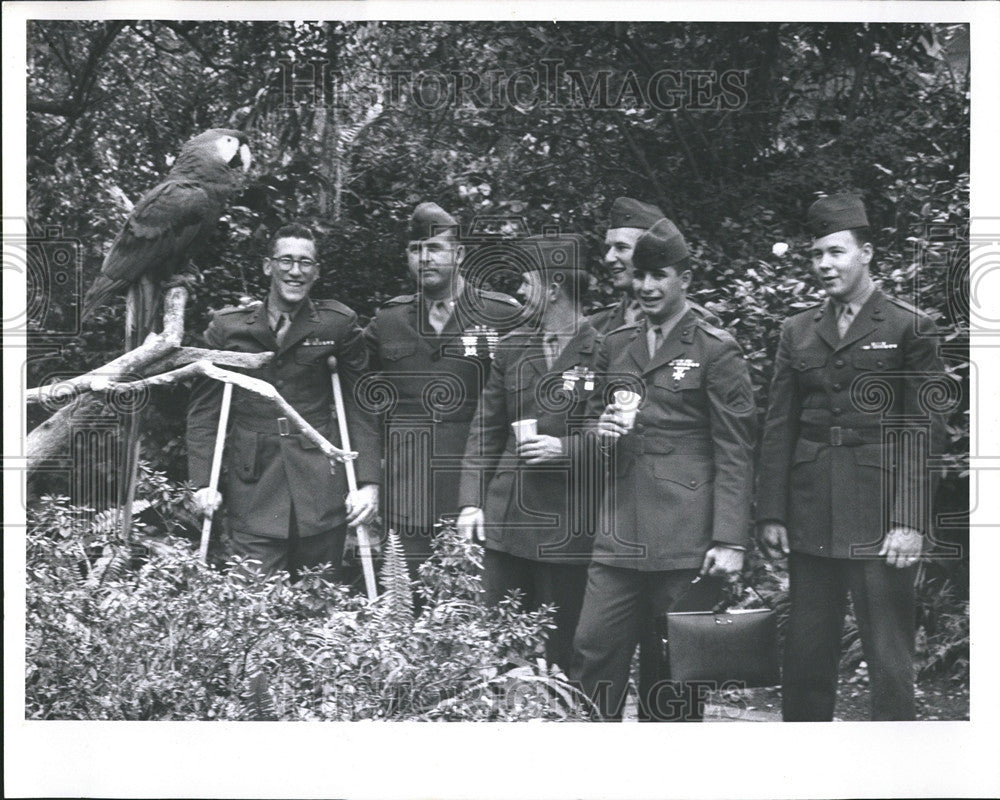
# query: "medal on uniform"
{"points": [[569, 379], [880, 346], [588, 380], [470, 343], [681, 367]]}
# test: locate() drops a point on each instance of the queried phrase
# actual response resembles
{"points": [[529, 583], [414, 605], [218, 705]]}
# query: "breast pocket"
{"points": [[679, 380], [877, 360], [806, 360], [313, 354]]}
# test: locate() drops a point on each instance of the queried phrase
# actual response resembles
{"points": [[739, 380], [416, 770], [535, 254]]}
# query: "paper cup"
{"points": [[524, 428], [627, 404]]}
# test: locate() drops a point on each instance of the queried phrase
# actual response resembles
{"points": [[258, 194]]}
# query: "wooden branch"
{"points": [[154, 348], [245, 382]]}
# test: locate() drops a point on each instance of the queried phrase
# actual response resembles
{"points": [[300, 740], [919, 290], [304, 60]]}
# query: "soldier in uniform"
{"points": [[285, 508], [531, 494], [629, 219], [433, 351], [833, 496], [682, 474]]}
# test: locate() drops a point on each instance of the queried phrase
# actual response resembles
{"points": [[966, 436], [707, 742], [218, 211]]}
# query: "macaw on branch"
{"points": [[167, 226], [164, 230]]}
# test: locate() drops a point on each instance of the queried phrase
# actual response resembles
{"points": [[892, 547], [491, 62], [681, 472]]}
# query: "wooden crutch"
{"points": [[213, 481], [364, 543]]}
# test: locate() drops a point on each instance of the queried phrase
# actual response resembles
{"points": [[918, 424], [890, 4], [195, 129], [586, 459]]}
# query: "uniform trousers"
{"points": [[884, 604], [618, 607], [294, 553], [540, 583]]}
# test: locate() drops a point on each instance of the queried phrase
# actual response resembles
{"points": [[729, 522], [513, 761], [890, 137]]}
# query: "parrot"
{"points": [[164, 230], [167, 225]]}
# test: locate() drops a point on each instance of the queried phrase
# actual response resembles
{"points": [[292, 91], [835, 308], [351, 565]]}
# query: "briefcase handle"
{"points": [[728, 595]]}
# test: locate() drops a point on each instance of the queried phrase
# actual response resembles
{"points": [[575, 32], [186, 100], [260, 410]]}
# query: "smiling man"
{"points": [[847, 510], [533, 506], [681, 472], [433, 350], [285, 508]]}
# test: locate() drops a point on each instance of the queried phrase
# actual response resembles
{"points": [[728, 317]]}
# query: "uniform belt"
{"points": [[837, 436], [686, 445], [279, 425]]}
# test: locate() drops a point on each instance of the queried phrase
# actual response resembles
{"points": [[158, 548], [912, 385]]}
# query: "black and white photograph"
{"points": [[384, 366]]}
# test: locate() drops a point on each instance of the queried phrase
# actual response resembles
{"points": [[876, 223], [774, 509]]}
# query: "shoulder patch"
{"points": [[401, 300], [234, 309]]}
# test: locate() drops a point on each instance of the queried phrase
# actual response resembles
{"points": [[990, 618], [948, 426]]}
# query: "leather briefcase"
{"points": [[738, 647]]}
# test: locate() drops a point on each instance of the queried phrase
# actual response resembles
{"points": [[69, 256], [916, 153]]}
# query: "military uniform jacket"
{"points": [[833, 468], [270, 474], [426, 390], [543, 512], [682, 478]]}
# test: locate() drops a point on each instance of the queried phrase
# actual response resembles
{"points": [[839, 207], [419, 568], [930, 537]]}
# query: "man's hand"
{"points": [[362, 505], [206, 501], [774, 539], [470, 523], [537, 449], [611, 424], [902, 547], [723, 560]]}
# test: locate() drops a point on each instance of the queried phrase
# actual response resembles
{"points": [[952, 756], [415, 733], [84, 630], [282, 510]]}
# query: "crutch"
{"points": [[364, 543], [213, 481]]}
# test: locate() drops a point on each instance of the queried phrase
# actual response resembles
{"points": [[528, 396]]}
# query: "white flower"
{"points": [[779, 249]]}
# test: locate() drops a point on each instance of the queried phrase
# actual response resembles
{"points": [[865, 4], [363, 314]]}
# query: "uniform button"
{"points": [[836, 410], [279, 384], [839, 362], [802, 364], [692, 483], [879, 363], [836, 387]]}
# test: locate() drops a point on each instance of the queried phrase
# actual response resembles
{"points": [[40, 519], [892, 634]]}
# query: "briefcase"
{"points": [[738, 647]]}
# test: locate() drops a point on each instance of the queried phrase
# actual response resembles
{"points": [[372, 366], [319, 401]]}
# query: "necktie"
{"points": [[281, 328], [438, 315], [551, 347], [655, 339], [845, 317]]}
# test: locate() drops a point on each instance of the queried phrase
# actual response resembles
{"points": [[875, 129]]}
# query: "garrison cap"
{"points": [[660, 246], [555, 252], [839, 212], [629, 213], [429, 219]]}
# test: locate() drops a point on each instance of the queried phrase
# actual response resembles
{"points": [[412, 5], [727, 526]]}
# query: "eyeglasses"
{"points": [[287, 262]]}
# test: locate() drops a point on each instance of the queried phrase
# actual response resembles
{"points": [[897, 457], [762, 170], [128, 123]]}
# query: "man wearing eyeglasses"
{"points": [[286, 509], [433, 350]]}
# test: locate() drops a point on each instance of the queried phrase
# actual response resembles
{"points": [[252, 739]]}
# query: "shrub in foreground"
{"points": [[150, 633]]}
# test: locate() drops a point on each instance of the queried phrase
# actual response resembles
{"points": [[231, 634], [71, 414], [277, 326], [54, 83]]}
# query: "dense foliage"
{"points": [[352, 123], [153, 634]]}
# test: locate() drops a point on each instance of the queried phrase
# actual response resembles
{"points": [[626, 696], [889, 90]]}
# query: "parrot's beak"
{"points": [[245, 157]]}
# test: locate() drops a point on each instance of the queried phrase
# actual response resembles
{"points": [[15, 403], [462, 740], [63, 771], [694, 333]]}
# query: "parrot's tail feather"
{"points": [[98, 294], [131, 430]]}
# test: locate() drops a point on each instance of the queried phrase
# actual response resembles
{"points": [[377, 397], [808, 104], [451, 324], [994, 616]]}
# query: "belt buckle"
{"points": [[283, 429], [836, 436]]}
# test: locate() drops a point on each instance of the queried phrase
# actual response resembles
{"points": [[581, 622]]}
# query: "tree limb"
{"points": [[245, 382]]}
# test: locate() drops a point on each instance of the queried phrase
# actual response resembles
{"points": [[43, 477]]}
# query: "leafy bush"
{"points": [[161, 636]]}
